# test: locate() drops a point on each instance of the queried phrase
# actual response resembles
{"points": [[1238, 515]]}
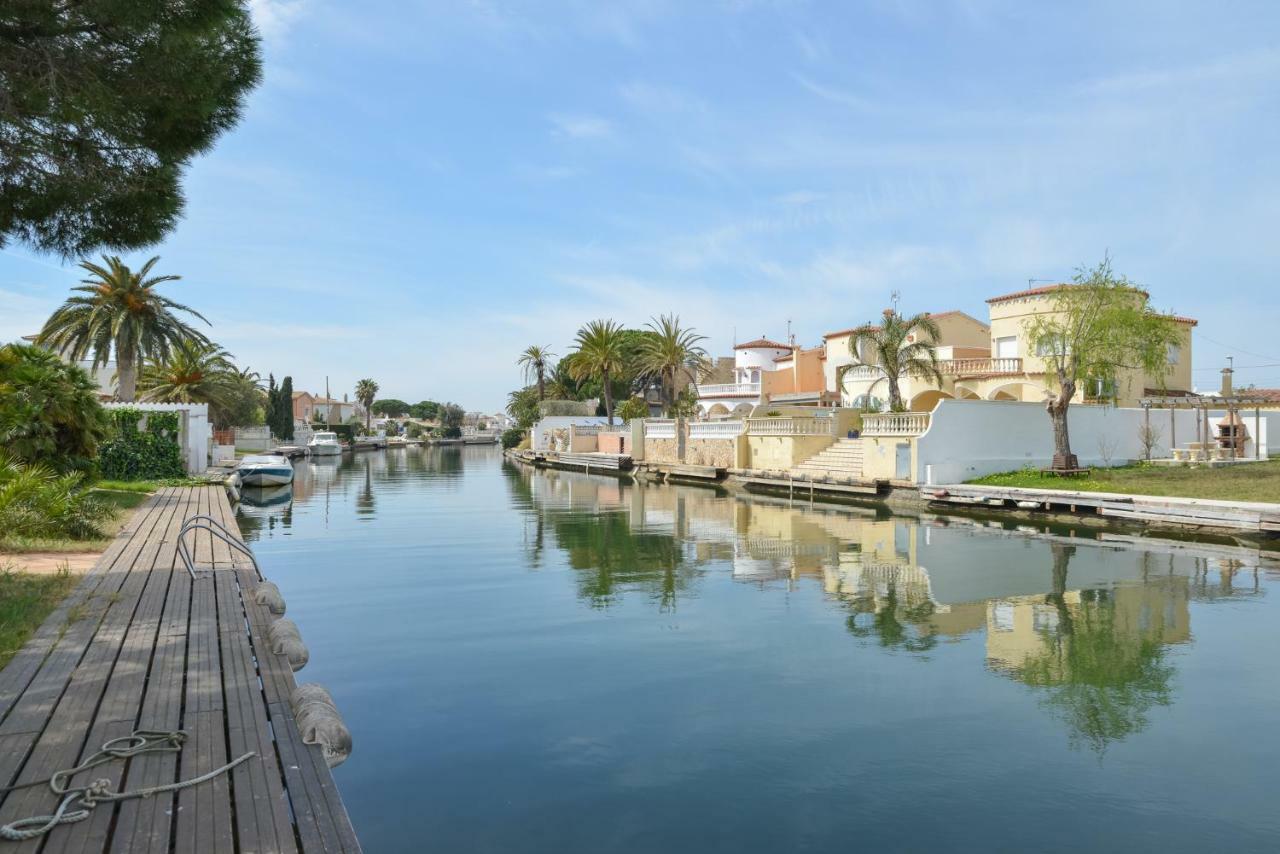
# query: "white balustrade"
{"points": [[725, 389], [659, 428], [714, 429], [800, 425], [961, 367], [895, 424]]}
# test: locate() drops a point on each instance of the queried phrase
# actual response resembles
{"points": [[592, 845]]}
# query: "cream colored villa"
{"points": [[992, 361]]}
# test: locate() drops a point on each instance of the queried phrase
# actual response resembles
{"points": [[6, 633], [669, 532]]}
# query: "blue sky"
{"points": [[421, 189]]}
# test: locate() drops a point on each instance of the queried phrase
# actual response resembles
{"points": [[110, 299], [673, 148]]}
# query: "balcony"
{"points": [[729, 390], [969, 367], [799, 425], [895, 424]]}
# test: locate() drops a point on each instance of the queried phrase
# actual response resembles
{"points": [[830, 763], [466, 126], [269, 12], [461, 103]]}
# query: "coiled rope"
{"points": [[78, 801]]}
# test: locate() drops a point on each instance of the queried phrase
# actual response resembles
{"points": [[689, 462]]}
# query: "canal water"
{"points": [[541, 661]]}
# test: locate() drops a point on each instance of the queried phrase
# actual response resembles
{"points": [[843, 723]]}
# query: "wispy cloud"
{"points": [[580, 127], [250, 331], [1251, 64], [834, 95], [275, 18]]}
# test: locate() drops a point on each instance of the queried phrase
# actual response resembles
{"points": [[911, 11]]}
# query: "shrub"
{"points": [[142, 455], [36, 501], [49, 410], [633, 408], [511, 437]]}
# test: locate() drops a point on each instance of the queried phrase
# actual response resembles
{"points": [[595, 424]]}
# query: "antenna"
{"points": [[895, 297], [788, 330]]}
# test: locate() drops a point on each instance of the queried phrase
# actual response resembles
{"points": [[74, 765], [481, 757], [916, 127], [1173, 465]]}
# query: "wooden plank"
{"points": [[261, 806], [118, 710], [143, 825]]}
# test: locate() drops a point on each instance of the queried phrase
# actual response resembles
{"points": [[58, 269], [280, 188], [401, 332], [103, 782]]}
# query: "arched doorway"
{"points": [[926, 400]]}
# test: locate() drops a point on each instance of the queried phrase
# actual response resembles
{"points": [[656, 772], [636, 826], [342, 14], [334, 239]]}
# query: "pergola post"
{"points": [[1257, 432]]}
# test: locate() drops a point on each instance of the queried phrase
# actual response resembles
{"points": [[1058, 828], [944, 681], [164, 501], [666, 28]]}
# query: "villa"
{"points": [[308, 407], [766, 371]]}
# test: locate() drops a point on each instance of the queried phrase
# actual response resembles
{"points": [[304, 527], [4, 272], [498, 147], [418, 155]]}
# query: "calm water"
{"points": [[550, 662]]}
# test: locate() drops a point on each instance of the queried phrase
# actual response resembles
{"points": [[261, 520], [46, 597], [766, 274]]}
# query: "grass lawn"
{"points": [[25, 600], [1245, 482]]}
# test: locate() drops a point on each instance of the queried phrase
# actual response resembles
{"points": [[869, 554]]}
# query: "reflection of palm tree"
{"points": [[1104, 673], [364, 498], [896, 626]]}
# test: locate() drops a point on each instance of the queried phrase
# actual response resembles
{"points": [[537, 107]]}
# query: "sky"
{"points": [[421, 189]]}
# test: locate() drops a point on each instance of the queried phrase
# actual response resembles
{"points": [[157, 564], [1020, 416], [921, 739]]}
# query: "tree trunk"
{"points": [[1058, 598], [608, 398], [1057, 409], [895, 395], [542, 386], [127, 371]]}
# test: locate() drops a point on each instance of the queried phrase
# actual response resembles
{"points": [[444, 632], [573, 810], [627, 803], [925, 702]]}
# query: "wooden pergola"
{"points": [[1201, 404]]}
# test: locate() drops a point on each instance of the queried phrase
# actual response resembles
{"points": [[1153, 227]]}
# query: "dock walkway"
{"points": [[140, 645]]}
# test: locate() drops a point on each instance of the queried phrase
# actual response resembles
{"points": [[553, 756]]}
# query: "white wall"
{"points": [[194, 431], [554, 422], [972, 438], [756, 358]]}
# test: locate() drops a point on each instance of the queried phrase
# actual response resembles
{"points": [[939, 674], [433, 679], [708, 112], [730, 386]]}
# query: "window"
{"points": [[1007, 348], [1050, 345], [1175, 353]]}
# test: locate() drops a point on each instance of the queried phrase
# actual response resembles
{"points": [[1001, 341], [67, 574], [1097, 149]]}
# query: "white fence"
{"points": [[659, 428], [972, 438], [715, 429], [960, 367], [895, 424], [195, 435], [787, 425]]}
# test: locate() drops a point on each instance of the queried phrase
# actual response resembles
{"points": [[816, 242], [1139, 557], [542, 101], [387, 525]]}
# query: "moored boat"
{"points": [[325, 444], [265, 470]]}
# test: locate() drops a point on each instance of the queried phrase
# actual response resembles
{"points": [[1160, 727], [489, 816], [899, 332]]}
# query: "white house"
{"points": [[750, 361]]}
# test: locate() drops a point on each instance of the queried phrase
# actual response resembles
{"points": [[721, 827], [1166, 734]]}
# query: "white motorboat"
{"points": [[325, 445], [265, 470]]}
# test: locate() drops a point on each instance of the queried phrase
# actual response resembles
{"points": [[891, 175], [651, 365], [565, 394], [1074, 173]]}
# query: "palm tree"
{"points": [[366, 391], [600, 354], [667, 351], [900, 347], [194, 372], [535, 361], [120, 310]]}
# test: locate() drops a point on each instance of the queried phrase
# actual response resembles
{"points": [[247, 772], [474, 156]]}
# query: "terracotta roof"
{"points": [[1043, 289], [933, 314], [1269, 394], [298, 394], [851, 330], [1190, 321], [762, 343]]}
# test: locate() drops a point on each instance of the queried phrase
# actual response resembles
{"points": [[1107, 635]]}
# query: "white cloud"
{"points": [[275, 18], [580, 127]]}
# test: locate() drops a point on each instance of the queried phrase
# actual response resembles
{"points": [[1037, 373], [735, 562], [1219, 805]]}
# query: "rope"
{"points": [[78, 801]]}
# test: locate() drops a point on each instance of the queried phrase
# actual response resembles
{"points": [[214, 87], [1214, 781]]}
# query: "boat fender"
{"points": [[286, 640], [319, 722], [268, 594]]}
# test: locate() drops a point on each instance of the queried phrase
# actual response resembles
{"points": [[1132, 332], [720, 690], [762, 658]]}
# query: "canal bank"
{"points": [[1250, 520]]}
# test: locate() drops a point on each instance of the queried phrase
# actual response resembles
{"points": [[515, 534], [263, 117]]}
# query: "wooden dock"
{"points": [[140, 645], [1188, 513]]}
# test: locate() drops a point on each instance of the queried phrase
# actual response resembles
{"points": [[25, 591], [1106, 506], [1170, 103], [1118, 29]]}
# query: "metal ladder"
{"points": [[202, 522]]}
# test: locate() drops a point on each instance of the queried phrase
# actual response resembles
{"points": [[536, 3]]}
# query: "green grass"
{"points": [[145, 486], [124, 504], [25, 601], [1244, 482]]}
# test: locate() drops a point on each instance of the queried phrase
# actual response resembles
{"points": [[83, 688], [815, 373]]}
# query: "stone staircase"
{"points": [[841, 461]]}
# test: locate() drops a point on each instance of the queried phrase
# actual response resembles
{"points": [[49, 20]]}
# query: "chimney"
{"points": [[1226, 382]]}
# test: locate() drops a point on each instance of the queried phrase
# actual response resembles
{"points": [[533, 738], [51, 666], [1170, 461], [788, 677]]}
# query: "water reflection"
{"points": [[1085, 620]]}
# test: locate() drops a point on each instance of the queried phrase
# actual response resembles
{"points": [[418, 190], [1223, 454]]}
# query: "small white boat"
{"points": [[325, 445], [265, 470]]}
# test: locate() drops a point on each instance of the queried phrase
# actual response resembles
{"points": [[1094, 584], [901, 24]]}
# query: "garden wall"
{"points": [[195, 434]]}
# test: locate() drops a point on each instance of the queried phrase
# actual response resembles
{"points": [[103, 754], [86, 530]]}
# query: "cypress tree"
{"points": [[285, 407]]}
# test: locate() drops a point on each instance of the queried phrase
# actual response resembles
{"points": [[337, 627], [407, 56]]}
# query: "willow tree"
{"points": [[900, 347], [116, 309], [600, 354], [102, 107], [1097, 328]]}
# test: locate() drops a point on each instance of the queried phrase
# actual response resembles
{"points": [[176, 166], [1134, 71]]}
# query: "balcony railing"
{"points": [[714, 429], [801, 425], [964, 367], [947, 367], [895, 424], [659, 428], [726, 389]]}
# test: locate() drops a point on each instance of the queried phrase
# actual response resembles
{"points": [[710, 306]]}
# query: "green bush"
{"points": [[49, 410], [36, 501], [131, 454], [632, 408], [511, 437]]}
